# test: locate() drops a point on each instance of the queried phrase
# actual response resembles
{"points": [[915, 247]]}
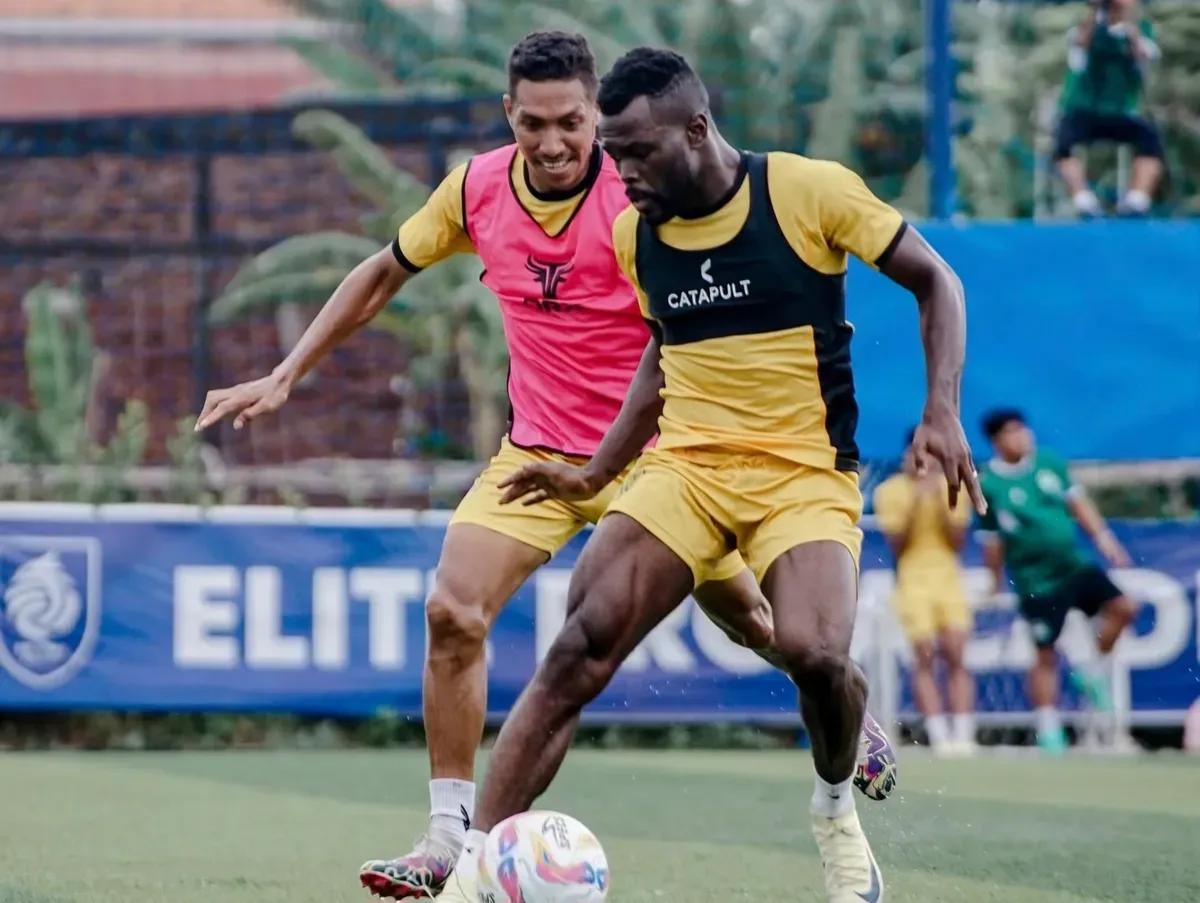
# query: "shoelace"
{"points": [[845, 862]]}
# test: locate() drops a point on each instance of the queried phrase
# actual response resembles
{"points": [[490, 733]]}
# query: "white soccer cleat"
{"points": [[459, 889], [851, 873]]}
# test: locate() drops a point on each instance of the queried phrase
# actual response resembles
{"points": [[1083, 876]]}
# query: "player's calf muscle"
{"points": [[812, 591]]}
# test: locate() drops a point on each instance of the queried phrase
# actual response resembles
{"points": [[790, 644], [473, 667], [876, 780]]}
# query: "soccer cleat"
{"points": [[1052, 743], [877, 771], [422, 873], [459, 889], [851, 873], [1095, 688]]}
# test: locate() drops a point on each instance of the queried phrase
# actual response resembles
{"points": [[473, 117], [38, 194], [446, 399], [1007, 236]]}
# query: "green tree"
{"points": [[444, 315], [788, 72], [56, 431]]}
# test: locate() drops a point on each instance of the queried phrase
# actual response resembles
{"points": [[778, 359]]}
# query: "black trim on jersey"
{"points": [[546, 448], [706, 323], [583, 189], [738, 180], [797, 296], [882, 260], [831, 346], [463, 190], [565, 194], [512, 414], [402, 259]]}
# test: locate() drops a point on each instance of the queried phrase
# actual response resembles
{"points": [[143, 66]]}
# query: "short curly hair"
{"points": [[652, 72], [994, 421], [548, 56]]}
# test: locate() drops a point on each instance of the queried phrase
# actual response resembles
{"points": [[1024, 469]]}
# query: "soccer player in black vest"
{"points": [[739, 261]]}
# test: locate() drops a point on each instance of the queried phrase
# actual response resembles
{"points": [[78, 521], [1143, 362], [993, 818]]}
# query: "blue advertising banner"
{"points": [[165, 608], [1055, 320]]}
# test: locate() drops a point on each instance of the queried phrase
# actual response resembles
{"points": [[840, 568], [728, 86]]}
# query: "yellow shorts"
{"points": [[930, 604], [550, 525], [701, 507]]}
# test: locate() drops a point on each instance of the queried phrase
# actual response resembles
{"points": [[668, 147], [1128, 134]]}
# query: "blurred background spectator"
{"points": [[1102, 100]]}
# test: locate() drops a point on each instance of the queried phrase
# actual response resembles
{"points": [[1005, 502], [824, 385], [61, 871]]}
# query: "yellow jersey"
{"points": [[929, 552], [750, 297], [437, 230]]}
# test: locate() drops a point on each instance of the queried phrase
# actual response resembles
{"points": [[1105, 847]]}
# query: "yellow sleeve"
{"points": [[624, 235], [436, 231], [851, 217], [891, 506], [826, 211]]}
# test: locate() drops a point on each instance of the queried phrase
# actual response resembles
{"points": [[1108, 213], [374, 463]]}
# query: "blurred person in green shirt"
{"points": [[1030, 538], [1101, 99]]}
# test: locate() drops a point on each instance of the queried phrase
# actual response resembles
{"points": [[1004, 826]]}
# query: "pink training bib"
{"points": [[575, 332]]}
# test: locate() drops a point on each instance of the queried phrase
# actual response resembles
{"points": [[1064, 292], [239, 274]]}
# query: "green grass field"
{"points": [[679, 827]]}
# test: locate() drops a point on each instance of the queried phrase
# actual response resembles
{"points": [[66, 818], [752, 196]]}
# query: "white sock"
{"points": [[1137, 201], [832, 800], [451, 806], [1048, 720], [938, 729], [1086, 202], [964, 728]]}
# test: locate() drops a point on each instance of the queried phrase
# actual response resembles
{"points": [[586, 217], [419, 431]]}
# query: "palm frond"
{"points": [[362, 162], [310, 288], [300, 253]]}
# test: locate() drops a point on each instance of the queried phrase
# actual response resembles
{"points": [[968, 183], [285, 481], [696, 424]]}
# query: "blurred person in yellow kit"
{"points": [[930, 599]]}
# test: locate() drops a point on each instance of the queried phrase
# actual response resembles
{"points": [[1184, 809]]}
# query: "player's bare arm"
{"points": [[635, 426], [1084, 510], [914, 265], [359, 297]]}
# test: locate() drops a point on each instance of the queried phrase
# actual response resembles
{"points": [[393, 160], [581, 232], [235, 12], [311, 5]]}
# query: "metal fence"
{"points": [[153, 215], [944, 106]]}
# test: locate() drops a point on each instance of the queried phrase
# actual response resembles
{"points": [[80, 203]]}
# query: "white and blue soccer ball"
{"points": [[542, 857]]}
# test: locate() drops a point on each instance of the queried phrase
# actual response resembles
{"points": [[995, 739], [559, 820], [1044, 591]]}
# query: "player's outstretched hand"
{"points": [[544, 480], [244, 402], [940, 441]]}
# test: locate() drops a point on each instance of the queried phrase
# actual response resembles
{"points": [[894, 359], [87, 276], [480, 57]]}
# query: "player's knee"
{"points": [[953, 650], [1120, 611], [458, 624], [953, 657], [583, 658], [923, 655], [817, 668]]}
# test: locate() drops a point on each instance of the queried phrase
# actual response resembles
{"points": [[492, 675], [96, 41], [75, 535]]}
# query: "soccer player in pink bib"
{"points": [[539, 213]]}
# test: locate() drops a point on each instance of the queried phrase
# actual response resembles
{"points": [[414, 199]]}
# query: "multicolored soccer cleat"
{"points": [[422, 873], [877, 770]]}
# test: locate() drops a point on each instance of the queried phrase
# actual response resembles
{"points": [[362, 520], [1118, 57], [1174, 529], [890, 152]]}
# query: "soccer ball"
{"points": [[542, 857]]}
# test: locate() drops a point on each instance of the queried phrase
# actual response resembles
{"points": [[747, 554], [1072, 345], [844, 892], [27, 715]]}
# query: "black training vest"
{"points": [[754, 284]]}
